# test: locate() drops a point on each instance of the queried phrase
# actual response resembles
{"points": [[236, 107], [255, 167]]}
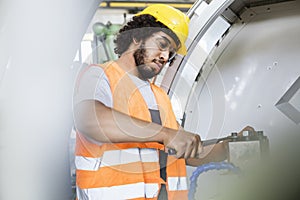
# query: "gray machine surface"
{"points": [[250, 76], [241, 69]]}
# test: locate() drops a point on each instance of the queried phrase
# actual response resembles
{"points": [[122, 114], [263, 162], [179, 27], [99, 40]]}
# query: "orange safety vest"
{"points": [[128, 170]]}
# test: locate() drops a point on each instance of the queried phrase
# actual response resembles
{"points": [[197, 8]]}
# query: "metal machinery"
{"points": [[241, 69], [245, 152], [103, 44]]}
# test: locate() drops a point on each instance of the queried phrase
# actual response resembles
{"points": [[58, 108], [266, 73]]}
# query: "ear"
{"points": [[135, 41]]}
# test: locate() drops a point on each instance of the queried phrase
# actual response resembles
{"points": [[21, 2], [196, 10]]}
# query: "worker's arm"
{"points": [[107, 125], [215, 152], [211, 153]]}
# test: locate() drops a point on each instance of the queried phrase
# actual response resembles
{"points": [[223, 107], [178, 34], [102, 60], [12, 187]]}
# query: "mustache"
{"points": [[161, 61]]}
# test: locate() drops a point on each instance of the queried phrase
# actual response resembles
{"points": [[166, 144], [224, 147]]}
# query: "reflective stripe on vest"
{"points": [[109, 169], [129, 191], [116, 157], [177, 183]]}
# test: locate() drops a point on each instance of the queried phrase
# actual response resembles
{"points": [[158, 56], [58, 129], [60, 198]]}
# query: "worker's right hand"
{"points": [[185, 144]]}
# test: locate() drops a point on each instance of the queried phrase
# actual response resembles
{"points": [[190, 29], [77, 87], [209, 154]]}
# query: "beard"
{"points": [[145, 72]]}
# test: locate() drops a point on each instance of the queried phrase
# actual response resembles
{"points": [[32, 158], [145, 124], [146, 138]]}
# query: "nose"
{"points": [[164, 55]]}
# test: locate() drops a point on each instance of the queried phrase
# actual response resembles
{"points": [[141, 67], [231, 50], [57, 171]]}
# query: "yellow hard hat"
{"points": [[172, 18]]}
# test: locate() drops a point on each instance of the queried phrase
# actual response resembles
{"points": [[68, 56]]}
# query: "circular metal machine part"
{"points": [[241, 69]]}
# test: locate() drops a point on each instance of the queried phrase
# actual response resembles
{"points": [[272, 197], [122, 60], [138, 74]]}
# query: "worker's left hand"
{"points": [[247, 128]]}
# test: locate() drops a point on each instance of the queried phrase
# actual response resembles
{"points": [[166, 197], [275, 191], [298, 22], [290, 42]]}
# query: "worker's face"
{"points": [[153, 54]]}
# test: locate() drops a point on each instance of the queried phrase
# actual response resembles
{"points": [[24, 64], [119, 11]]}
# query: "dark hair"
{"points": [[140, 27]]}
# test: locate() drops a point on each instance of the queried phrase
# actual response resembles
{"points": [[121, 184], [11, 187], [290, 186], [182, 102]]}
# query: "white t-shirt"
{"points": [[94, 84]]}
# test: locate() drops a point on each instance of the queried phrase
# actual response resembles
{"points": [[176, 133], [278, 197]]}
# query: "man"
{"points": [[125, 124]]}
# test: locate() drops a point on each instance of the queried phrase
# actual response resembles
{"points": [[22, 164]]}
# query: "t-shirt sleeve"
{"points": [[93, 84]]}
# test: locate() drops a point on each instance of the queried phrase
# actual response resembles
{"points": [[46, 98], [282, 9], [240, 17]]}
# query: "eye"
{"points": [[163, 45]]}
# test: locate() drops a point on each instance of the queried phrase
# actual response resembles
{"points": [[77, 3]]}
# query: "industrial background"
{"points": [[242, 68]]}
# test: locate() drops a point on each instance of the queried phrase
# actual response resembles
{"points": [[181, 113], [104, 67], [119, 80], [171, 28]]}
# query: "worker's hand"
{"points": [[247, 128], [185, 144]]}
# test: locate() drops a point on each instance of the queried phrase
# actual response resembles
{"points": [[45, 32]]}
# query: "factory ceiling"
{"points": [[238, 6]]}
